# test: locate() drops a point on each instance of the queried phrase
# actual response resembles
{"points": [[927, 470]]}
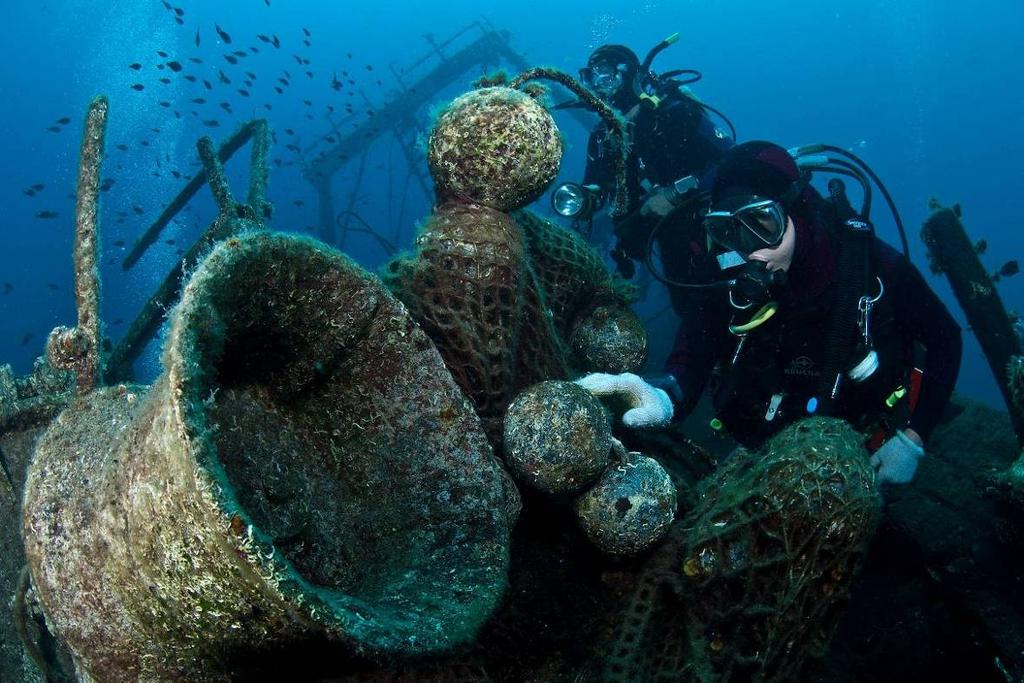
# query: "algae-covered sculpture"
{"points": [[502, 294], [303, 467], [751, 583]]}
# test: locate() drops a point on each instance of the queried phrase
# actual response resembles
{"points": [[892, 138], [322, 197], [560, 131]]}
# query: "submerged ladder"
{"points": [[232, 218]]}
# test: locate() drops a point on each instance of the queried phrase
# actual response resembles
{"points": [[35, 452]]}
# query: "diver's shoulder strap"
{"points": [[855, 264]]}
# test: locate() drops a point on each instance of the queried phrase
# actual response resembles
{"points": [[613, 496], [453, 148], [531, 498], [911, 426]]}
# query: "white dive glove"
{"points": [[649, 406], [896, 461]]}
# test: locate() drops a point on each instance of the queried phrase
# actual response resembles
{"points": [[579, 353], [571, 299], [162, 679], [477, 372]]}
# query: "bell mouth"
{"points": [[340, 449]]}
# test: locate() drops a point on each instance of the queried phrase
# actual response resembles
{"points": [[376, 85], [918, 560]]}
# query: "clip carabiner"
{"points": [[864, 306]]}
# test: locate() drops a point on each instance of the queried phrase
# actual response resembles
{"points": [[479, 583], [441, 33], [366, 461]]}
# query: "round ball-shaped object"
{"points": [[630, 508], [610, 339], [65, 347], [494, 146], [558, 437]]}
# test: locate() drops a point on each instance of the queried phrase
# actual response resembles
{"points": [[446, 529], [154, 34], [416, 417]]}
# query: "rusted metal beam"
{"points": [[952, 253], [225, 152], [87, 274], [232, 219], [79, 349]]}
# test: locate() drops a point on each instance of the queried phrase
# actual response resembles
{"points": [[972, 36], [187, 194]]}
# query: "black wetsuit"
{"points": [[784, 356], [671, 141]]}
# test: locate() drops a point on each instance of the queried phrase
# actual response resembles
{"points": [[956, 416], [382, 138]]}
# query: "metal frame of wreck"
{"points": [[492, 47], [232, 218]]}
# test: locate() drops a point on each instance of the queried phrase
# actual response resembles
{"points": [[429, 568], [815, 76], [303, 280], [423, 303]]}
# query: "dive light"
{"points": [[576, 201]]}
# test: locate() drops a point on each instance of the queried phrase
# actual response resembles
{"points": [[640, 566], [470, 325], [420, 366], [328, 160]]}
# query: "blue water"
{"points": [[929, 92]]}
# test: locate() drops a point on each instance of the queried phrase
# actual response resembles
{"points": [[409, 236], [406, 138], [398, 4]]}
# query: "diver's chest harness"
{"points": [[813, 370]]}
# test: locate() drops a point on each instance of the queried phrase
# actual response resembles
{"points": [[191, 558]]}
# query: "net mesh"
{"points": [[753, 581], [570, 272], [499, 296]]}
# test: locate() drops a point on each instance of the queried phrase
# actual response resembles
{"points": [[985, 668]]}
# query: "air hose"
{"points": [[818, 149]]}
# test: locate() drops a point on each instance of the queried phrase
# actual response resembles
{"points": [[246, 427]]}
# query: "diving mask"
{"points": [[746, 224], [603, 78]]}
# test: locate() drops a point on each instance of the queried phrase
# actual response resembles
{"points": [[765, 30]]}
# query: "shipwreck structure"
{"points": [[313, 480]]}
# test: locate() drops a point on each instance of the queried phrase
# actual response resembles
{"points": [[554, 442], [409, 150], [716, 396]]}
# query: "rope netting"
{"points": [[752, 583], [499, 297]]}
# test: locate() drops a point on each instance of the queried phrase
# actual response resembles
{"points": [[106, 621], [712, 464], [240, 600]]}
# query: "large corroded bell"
{"points": [[304, 466]]}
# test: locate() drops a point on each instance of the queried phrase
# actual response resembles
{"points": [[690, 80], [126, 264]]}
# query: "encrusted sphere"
{"points": [[494, 146], [557, 437], [66, 347], [630, 508], [610, 339]]}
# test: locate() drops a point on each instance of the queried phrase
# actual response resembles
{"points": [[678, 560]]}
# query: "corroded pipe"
{"points": [[215, 175], [87, 276], [500, 293], [951, 252], [79, 349]]}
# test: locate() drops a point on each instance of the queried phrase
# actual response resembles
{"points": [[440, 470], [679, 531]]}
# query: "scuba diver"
{"points": [[810, 313], [674, 143]]}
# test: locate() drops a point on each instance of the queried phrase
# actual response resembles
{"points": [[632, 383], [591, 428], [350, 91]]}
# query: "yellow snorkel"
{"points": [[650, 98], [762, 316]]}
